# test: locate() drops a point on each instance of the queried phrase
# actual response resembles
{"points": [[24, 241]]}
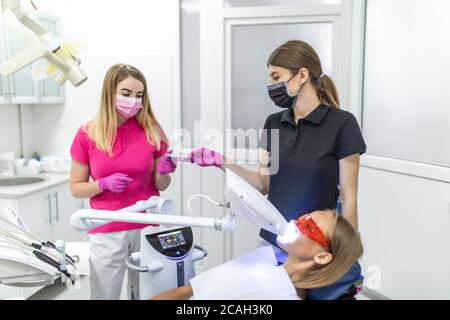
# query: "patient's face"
{"points": [[295, 243]]}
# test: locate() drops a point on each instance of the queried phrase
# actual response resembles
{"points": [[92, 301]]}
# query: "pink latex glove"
{"points": [[166, 165], [116, 183], [207, 158]]}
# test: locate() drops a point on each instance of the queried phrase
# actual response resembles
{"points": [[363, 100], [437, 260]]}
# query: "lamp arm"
{"points": [[22, 60]]}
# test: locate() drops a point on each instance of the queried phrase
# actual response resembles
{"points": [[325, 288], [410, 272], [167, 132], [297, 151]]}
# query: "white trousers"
{"points": [[107, 264]]}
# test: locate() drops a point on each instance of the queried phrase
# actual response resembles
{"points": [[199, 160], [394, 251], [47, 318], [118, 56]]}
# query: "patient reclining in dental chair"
{"points": [[321, 246]]}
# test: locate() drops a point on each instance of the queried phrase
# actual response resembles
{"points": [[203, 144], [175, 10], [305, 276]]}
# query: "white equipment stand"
{"points": [[167, 255]]}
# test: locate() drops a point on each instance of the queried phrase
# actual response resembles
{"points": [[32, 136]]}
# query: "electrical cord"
{"points": [[199, 195]]}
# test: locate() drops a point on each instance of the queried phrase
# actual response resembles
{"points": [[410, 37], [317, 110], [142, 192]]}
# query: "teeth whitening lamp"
{"points": [[168, 253]]}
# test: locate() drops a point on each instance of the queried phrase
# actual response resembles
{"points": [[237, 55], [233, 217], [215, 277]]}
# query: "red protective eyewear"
{"points": [[309, 229]]}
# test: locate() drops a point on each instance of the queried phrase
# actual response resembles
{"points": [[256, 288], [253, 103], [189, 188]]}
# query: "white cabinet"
{"points": [[20, 88], [3, 81], [35, 211], [62, 207], [2, 90], [47, 213]]}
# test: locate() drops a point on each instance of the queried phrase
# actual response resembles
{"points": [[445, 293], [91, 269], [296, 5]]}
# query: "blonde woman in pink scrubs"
{"points": [[118, 159]]}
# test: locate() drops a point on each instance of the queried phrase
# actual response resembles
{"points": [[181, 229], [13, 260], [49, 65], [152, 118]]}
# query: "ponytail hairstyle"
{"points": [[295, 55]]}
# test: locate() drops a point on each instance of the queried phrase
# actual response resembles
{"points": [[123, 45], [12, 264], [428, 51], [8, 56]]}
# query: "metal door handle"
{"points": [[57, 206], [49, 209]]}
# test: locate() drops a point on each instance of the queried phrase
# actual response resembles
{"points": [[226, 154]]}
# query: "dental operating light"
{"points": [[49, 55]]}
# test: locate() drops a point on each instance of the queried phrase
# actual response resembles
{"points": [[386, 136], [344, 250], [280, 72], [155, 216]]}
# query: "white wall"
{"points": [[9, 129], [405, 223], [404, 206], [139, 32]]}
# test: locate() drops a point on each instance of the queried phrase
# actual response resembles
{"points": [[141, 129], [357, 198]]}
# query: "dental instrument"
{"points": [[19, 246], [21, 233], [180, 157]]}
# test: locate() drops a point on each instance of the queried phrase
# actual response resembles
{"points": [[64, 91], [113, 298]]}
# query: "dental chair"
{"points": [[18, 269], [168, 253], [346, 288]]}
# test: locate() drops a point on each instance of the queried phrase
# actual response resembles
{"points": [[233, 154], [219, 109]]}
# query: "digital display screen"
{"points": [[172, 240]]}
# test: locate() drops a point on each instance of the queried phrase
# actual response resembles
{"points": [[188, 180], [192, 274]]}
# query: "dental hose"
{"points": [[60, 267], [20, 230], [50, 251], [48, 246], [26, 233], [14, 243], [5, 244], [35, 250]]}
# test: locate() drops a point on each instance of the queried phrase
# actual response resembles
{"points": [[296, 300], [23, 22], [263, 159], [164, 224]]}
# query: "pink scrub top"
{"points": [[134, 156]]}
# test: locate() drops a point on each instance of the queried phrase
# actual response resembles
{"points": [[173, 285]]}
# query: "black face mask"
{"points": [[279, 93]]}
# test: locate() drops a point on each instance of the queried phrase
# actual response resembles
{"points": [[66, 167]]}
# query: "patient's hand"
{"points": [[182, 293]]}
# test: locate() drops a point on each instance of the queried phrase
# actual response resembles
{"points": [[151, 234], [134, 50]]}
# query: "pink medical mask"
{"points": [[128, 107]]}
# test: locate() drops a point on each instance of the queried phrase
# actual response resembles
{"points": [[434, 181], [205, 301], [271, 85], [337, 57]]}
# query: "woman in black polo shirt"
{"points": [[310, 151]]}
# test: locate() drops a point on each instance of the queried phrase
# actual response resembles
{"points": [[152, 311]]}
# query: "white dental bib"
{"points": [[254, 276]]}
